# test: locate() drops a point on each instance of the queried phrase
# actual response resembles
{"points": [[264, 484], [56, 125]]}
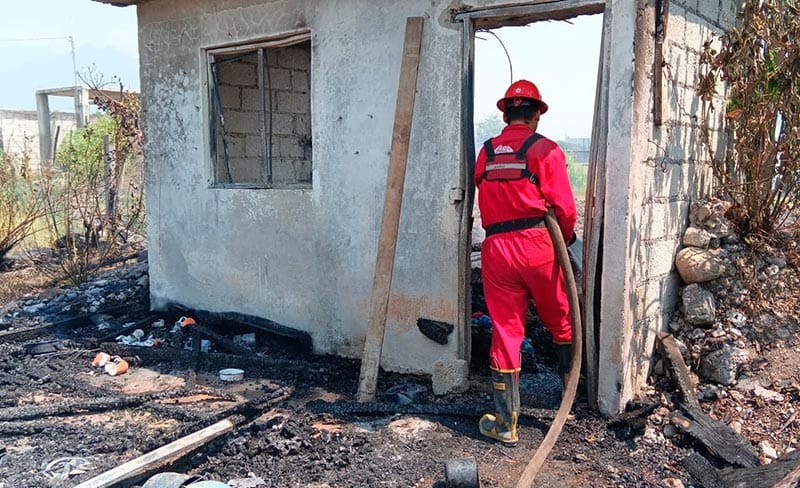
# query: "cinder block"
{"points": [[676, 25], [302, 170], [241, 122], [279, 79], [251, 101], [230, 96], [300, 81], [450, 376], [709, 9], [654, 214], [236, 146], [697, 32], [237, 74], [253, 146], [295, 57], [301, 125], [288, 147], [246, 170], [294, 103], [281, 124], [728, 12], [661, 256], [283, 171]]}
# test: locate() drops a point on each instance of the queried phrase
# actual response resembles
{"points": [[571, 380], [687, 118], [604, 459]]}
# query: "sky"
{"points": [[560, 57], [104, 38]]}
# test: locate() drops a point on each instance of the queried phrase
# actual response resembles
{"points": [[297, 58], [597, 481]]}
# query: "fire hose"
{"points": [[463, 473], [571, 388]]}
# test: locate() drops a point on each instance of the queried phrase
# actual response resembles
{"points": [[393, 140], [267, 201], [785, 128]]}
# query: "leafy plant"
{"points": [[87, 215], [760, 62], [577, 176]]}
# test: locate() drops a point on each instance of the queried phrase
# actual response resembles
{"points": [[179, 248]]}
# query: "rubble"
{"points": [[738, 321], [736, 337]]}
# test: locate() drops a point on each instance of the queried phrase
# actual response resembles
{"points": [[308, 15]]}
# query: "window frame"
{"points": [[215, 109]]}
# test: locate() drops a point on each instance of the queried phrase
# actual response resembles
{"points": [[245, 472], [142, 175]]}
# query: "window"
{"points": [[260, 116]]}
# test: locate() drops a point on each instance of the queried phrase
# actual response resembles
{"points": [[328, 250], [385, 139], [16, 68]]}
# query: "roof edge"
{"points": [[118, 3]]}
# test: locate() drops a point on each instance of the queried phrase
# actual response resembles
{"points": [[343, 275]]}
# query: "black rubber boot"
{"points": [[564, 355], [502, 425]]}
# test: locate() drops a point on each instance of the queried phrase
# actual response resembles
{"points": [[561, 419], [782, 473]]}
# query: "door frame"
{"points": [[523, 14]]}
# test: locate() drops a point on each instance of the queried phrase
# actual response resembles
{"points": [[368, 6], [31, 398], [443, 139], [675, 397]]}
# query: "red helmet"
{"points": [[519, 91]]}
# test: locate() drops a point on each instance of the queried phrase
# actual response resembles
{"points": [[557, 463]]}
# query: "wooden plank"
{"points": [[703, 471], [781, 473], [30, 333], [661, 16], [464, 322], [679, 370], [161, 457], [718, 437], [223, 341], [390, 221], [791, 479], [593, 219]]}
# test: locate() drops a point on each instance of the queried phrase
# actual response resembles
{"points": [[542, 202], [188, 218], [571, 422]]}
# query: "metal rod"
{"points": [[269, 142], [218, 112], [262, 117]]}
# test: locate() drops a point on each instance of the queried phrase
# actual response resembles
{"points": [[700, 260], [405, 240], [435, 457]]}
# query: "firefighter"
{"points": [[519, 175]]}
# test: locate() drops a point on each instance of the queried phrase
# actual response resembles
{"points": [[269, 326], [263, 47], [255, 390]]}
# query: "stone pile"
{"points": [[121, 286], [736, 306]]}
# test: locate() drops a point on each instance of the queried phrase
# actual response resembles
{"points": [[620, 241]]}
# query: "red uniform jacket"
{"points": [[500, 201]]}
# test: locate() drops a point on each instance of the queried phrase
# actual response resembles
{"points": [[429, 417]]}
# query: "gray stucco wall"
{"points": [[666, 167], [305, 258]]}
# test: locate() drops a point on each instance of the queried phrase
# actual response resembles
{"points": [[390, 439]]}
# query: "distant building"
{"points": [[576, 149], [19, 131]]}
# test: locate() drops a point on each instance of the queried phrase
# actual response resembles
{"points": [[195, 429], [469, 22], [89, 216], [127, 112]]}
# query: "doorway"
{"points": [[559, 49]]}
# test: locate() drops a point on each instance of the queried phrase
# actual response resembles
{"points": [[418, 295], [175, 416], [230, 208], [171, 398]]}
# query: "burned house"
{"points": [[268, 129]]}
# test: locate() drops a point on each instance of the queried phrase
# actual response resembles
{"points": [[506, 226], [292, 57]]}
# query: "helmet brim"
{"points": [[501, 104]]}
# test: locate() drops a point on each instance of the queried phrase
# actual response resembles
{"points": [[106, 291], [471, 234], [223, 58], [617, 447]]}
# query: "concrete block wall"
{"points": [[676, 168], [286, 81], [19, 132]]}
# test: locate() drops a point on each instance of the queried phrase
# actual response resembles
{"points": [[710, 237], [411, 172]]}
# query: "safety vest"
{"points": [[504, 164]]}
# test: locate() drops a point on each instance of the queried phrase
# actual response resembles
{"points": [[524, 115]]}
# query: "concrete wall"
{"points": [[666, 167], [305, 257], [19, 131]]}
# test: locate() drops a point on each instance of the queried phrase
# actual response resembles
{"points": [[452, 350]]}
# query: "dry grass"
{"points": [[19, 283]]}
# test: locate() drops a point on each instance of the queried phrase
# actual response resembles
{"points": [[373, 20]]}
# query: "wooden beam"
{"points": [[593, 220], [680, 370], [390, 222], [781, 473], [163, 456], [703, 471], [662, 14], [527, 12], [718, 437]]}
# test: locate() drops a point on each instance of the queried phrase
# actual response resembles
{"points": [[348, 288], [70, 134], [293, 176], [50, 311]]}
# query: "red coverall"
{"points": [[521, 264]]}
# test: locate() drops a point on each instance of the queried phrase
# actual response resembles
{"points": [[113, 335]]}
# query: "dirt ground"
{"points": [[63, 421]]}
